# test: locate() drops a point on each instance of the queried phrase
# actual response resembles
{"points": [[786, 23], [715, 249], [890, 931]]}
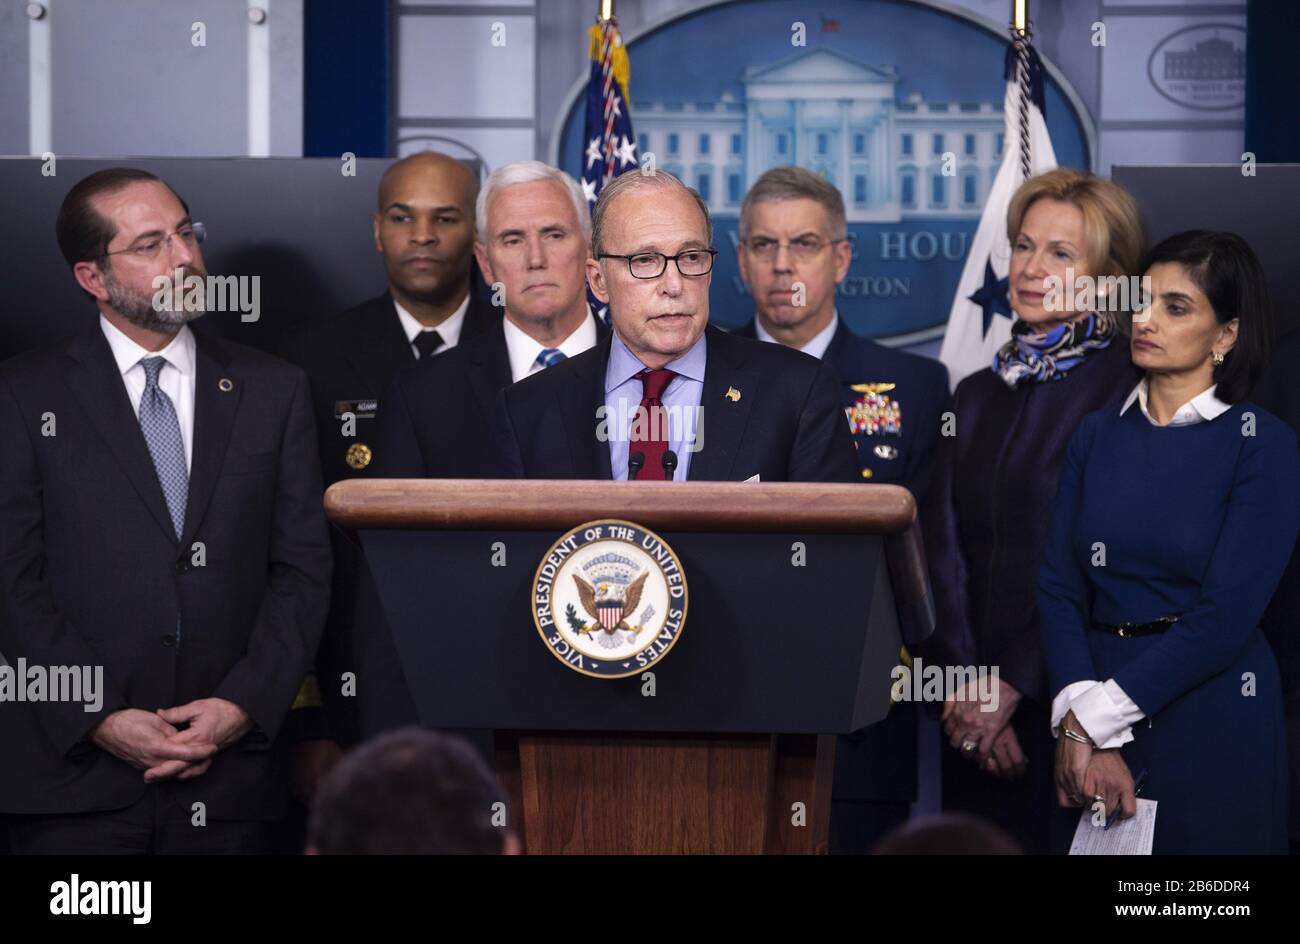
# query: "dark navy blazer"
{"points": [[919, 385]]}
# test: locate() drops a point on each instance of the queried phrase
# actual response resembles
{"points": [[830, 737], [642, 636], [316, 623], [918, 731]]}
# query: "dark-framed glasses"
{"points": [[651, 265]]}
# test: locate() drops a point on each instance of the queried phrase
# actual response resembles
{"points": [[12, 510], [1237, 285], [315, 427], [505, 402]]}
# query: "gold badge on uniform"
{"points": [[874, 413], [732, 394], [358, 456]]}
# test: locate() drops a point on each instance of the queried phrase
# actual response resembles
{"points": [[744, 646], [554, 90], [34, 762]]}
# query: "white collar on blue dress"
{"points": [[1203, 407]]}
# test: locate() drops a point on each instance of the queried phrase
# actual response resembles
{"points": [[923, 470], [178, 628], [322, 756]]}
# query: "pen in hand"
{"points": [[1137, 791]]}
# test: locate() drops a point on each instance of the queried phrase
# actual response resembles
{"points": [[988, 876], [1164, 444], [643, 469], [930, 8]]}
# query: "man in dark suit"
{"points": [[1279, 393], [424, 231], [665, 396], [792, 253], [534, 230], [160, 526], [439, 419]]}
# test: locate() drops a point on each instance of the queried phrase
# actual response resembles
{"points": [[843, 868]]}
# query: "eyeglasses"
{"points": [[191, 234], [651, 265], [804, 249]]}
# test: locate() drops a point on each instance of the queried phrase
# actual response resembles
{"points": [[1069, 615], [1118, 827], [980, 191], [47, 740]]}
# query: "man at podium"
{"points": [[664, 396]]}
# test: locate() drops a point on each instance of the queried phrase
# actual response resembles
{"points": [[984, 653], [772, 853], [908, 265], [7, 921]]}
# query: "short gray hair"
{"points": [[796, 183], [636, 180], [527, 172]]}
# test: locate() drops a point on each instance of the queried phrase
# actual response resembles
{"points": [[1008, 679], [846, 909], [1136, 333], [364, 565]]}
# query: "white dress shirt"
{"points": [[176, 379], [1106, 713], [816, 346], [523, 350], [1204, 406], [449, 330]]}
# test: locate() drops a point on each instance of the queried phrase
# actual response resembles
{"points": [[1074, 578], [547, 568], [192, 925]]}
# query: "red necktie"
{"points": [[649, 433]]}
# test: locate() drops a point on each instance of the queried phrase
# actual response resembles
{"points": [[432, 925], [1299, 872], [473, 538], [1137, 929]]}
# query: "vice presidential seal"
{"points": [[609, 598]]}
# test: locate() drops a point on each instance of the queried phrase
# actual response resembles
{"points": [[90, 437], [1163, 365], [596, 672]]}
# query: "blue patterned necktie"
{"points": [[550, 356], [162, 434]]}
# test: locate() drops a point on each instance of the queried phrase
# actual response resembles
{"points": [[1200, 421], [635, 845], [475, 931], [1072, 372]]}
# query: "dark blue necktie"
{"points": [[550, 356]]}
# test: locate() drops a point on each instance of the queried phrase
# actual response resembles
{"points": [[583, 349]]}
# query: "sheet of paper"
{"points": [[1127, 837]]}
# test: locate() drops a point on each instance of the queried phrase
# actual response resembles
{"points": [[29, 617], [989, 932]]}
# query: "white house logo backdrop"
{"points": [[898, 104], [609, 599]]}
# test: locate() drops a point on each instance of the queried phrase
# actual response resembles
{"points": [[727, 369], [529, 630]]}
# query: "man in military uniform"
{"points": [[793, 251], [424, 231]]}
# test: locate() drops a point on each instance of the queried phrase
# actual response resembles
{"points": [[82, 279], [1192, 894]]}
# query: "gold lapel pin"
{"points": [[358, 456], [224, 385], [732, 394]]}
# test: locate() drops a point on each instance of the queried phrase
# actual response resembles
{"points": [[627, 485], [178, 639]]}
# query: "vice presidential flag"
{"points": [[980, 320]]}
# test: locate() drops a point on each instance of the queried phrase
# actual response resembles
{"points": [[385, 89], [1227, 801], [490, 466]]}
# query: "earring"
{"points": [[1216, 358]]}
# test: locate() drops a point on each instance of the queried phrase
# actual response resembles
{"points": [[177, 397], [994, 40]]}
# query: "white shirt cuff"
{"points": [[1106, 713], [1061, 703]]}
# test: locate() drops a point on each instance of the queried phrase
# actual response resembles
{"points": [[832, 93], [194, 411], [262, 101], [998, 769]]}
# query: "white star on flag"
{"points": [[589, 190], [593, 152], [626, 152]]}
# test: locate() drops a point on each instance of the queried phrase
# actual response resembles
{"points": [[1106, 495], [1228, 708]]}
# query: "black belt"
{"points": [[1137, 629]]}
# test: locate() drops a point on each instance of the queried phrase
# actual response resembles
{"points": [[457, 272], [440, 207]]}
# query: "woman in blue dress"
{"points": [[1174, 520]]}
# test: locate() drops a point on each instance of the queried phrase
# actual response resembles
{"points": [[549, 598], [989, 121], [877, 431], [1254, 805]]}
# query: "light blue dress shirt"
{"points": [[681, 399]]}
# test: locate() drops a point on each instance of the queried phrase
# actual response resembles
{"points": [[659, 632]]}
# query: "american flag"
{"points": [[609, 144]]}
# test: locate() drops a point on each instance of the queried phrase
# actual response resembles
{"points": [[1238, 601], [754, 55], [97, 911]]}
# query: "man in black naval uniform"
{"points": [[440, 419], [424, 230], [792, 253]]}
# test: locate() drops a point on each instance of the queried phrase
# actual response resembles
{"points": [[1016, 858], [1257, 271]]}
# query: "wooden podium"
{"points": [[800, 597]]}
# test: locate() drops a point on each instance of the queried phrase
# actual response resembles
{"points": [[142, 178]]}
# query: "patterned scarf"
{"points": [[1042, 357]]}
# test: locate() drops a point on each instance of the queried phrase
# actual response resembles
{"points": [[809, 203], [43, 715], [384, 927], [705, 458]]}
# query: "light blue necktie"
{"points": [[550, 356], [162, 434]]}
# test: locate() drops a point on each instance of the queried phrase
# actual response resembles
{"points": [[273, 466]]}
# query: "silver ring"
{"points": [[969, 746]]}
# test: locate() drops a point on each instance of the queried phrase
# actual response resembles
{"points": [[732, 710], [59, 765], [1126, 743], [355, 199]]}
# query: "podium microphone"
{"points": [[670, 464], [634, 463]]}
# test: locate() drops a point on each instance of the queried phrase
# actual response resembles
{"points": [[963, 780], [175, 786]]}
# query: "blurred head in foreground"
{"points": [[410, 792], [949, 834]]}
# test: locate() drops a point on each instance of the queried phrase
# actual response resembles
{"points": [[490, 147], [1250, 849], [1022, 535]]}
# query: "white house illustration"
{"points": [[841, 118]]}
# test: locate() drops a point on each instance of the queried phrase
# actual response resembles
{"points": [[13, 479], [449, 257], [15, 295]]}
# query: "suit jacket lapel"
{"points": [[384, 349], [97, 383], [491, 359], [724, 417], [214, 415], [839, 355], [582, 393], [481, 316]]}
